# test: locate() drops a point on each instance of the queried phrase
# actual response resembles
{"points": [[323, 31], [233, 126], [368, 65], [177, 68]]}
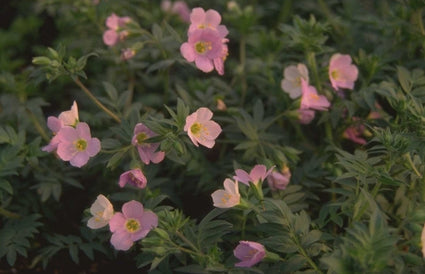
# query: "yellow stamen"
{"points": [[80, 144], [335, 74], [132, 225], [141, 137], [202, 47]]}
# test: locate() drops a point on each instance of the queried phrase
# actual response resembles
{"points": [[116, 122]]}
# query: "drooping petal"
{"points": [[242, 176]]}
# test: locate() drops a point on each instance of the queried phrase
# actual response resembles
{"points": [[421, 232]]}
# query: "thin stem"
{"points": [[94, 99], [412, 165], [9, 214], [184, 239], [304, 253], [311, 60]]}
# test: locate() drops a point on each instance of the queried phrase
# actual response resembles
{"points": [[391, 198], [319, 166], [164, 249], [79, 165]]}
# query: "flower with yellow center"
{"points": [[102, 211], [229, 197], [201, 129]]}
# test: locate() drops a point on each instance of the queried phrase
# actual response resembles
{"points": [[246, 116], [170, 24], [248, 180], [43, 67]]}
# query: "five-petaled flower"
{"points": [[147, 151], [257, 175], [102, 211], [342, 73], [229, 197], [201, 129], [76, 144], [291, 82], [250, 253], [66, 118], [133, 224], [311, 100], [134, 177]]}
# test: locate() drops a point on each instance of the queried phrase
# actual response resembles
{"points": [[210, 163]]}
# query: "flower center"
{"points": [[201, 47], [81, 145], [314, 97], [132, 225], [195, 128], [226, 197], [141, 137], [335, 74]]}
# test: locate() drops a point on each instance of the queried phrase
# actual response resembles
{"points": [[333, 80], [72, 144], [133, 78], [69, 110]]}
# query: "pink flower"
{"points": [[114, 32], [342, 73], [257, 175], [135, 177], [355, 132], [311, 100], [66, 118], [102, 211], [305, 116], [76, 144], [201, 129], [229, 197], [205, 47], [127, 54], [291, 82], [133, 224], [279, 180], [211, 19], [147, 151], [250, 253], [181, 8]]}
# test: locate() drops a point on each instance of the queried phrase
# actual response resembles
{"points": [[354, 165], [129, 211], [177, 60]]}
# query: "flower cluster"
{"points": [[72, 139], [206, 45], [115, 32], [128, 226]]}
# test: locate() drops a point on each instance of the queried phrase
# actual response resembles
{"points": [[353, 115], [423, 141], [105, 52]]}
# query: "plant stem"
{"points": [[9, 214], [311, 60], [184, 239], [412, 165], [94, 99], [304, 253]]}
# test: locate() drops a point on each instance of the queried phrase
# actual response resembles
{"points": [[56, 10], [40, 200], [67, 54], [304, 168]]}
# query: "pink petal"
{"points": [[187, 51], [214, 129], [117, 222], [258, 173], [222, 30], [112, 21], [132, 209], [190, 120], [121, 241], [93, 147], [197, 16], [150, 220], [158, 157], [67, 134], [219, 65], [66, 151], [207, 143], [110, 37], [212, 18], [83, 130], [54, 124], [339, 60], [203, 114], [204, 64], [242, 176], [80, 159]]}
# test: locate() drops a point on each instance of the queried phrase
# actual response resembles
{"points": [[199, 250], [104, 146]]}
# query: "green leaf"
{"points": [[404, 78], [5, 185]]}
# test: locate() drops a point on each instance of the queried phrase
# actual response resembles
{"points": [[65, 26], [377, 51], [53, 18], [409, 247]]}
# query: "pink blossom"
{"points": [[355, 132], [250, 253], [279, 180], [127, 54], [305, 116], [210, 19], [114, 33], [229, 197], [181, 8], [66, 118], [205, 47], [102, 211], [201, 129], [147, 151], [342, 73], [291, 82], [133, 224], [134, 177], [311, 100], [257, 175], [110, 37], [76, 144]]}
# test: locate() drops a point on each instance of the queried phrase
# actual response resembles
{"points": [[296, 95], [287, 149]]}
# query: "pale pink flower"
{"points": [[355, 132], [305, 116], [250, 253], [127, 54], [205, 47], [114, 33], [201, 129], [110, 37], [291, 82], [134, 177], [76, 144], [147, 151], [257, 175], [66, 118], [279, 180], [229, 197], [133, 224], [181, 8], [342, 73], [102, 211], [210, 19], [311, 100]]}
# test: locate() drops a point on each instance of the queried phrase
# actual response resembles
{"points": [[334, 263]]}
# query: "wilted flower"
{"points": [[102, 211], [257, 174], [127, 54], [147, 151], [134, 177], [114, 32], [133, 224], [76, 144], [355, 132], [229, 197], [342, 73], [201, 129], [250, 253], [291, 82], [311, 100], [279, 180], [66, 118]]}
